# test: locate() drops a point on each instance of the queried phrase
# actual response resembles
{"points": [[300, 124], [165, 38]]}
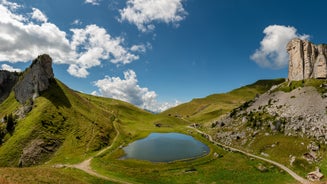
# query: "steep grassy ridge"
{"points": [[64, 126], [213, 106]]}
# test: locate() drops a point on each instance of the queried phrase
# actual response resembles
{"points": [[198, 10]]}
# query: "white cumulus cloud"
{"points": [[272, 52], [10, 68], [128, 90], [38, 15], [138, 48], [93, 2], [22, 40], [143, 13], [93, 44], [11, 5]]}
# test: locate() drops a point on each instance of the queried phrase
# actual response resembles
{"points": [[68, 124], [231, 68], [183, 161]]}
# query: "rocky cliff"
{"points": [[306, 60], [7, 82], [35, 79], [28, 84]]}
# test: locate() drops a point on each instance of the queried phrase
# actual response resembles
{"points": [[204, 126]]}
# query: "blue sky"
{"points": [[158, 53]]}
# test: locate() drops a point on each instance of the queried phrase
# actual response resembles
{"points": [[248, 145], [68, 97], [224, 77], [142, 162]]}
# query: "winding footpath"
{"points": [[289, 171], [86, 164]]}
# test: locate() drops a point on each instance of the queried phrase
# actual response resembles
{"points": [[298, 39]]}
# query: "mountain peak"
{"points": [[34, 79]]}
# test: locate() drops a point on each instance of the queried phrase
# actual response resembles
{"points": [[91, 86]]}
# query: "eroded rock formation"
{"points": [[306, 60], [35, 79]]}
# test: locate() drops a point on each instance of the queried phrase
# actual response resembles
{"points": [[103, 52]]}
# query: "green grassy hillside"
{"points": [[213, 106], [68, 127], [64, 126]]}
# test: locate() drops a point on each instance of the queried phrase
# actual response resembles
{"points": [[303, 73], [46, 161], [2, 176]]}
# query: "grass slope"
{"points": [[41, 174], [72, 125], [213, 106]]}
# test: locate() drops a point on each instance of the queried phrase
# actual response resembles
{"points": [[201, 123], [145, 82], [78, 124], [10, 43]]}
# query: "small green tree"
{"points": [[10, 123]]}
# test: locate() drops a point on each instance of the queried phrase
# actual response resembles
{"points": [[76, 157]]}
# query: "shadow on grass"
{"points": [[56, 95]]}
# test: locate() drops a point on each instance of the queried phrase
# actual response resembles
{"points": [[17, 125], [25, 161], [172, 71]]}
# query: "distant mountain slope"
{"points": [[213, 106]]}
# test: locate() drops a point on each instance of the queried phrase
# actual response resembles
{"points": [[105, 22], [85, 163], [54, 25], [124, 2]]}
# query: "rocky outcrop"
{"points": [[35, 79], [37, 151], [306, 60], [7, 82], [300, 112]]}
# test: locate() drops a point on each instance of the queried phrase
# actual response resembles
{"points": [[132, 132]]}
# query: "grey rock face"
{"points": [[306, 60], [35, 79], [7, 82], [38, 150]]}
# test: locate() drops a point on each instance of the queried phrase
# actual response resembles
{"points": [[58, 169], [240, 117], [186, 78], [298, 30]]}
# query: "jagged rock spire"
{"points": [[34, 79]]}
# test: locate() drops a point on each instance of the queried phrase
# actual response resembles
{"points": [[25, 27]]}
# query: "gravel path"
{"points": [[86, 164], [289, 171]]}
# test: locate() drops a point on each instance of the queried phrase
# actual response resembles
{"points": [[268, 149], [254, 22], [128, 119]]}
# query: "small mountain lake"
{"points": [[166, 147]]}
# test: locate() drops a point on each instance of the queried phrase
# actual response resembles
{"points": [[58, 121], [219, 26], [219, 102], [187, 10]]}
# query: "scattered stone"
{"points": [[292, 160], [264, 154], [195, 125], [262, 168], [315, 175], [190, 170], [23, 110], [217, 155], [255, 133], [310, 156], [313, 146]]}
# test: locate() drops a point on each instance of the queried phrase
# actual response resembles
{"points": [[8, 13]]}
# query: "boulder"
{"points": [[262, 168], [37, 151], [315, 175]]}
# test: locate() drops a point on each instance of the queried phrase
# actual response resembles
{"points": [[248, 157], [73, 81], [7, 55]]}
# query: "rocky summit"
{"points": [[306, 60], [28, 84]]}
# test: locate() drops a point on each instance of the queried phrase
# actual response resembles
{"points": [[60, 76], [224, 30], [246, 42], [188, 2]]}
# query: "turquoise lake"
{"points": [[166, 147]]}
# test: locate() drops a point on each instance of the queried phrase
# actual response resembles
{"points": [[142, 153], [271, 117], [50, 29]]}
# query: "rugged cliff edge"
{"points": [[29, 83], [34, 79], [307, 60]]}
